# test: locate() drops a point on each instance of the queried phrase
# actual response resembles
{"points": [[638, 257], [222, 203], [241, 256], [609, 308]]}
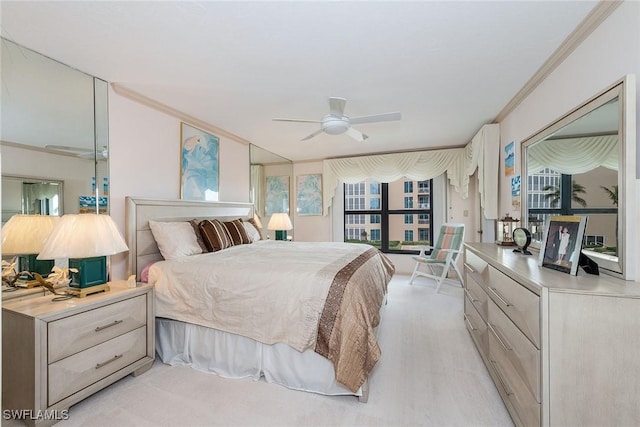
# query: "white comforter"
{"points": [[261, 290]]}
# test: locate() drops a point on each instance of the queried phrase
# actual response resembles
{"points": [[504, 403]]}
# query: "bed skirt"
{"points": [[235, 356]]}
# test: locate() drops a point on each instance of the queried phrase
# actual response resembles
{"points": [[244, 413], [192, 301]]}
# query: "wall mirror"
{"points": [[54, 133], [271, 176], [575, 167]]}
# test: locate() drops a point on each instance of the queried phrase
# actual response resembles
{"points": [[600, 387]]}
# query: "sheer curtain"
{"points": [[458, 163]]}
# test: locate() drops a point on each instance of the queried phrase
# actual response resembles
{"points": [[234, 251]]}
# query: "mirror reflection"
{"points": [[271, 187], [574, 170], [55, 128]]}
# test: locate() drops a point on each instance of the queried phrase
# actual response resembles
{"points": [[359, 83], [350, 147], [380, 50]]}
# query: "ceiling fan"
{"points": [[336, 123], [84, 153]]}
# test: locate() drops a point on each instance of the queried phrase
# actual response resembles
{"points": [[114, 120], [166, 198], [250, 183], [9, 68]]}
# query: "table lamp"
{"points": [[24, 236], [280, 222], [86, 239]]}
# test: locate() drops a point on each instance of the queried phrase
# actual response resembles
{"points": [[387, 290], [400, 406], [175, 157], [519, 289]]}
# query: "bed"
{"points": [[302, 315]]}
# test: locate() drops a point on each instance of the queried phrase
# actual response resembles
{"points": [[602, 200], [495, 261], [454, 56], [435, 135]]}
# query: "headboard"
{"points": [[142, 245]]}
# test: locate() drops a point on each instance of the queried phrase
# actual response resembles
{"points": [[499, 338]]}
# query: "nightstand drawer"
{"points": [[74, 373], [76, 333]]}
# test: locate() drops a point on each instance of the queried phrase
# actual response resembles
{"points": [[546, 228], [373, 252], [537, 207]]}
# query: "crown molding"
{"points": [[597, 15], [144, 100]]}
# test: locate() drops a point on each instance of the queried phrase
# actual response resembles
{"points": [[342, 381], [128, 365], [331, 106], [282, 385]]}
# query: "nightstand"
{"points": [[54, 354]]}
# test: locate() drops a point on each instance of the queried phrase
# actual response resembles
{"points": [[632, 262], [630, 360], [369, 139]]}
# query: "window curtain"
{"points": [[458, 163], [574, 155], [257, 189]]}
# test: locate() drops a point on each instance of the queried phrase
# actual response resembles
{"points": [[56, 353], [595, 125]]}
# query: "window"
{"points": [[593, 240], [394, 219], [408, 235], [408, 202], [424, 187]]}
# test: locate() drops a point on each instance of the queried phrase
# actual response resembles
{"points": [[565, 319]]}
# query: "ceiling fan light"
{"points": [[335, 126]]}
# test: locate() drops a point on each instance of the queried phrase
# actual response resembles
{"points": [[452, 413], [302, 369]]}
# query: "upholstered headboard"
{"points": [[142, 245]]}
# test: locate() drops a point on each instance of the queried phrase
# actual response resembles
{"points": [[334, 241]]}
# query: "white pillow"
{"points": [[175, 239], [252, 232]]}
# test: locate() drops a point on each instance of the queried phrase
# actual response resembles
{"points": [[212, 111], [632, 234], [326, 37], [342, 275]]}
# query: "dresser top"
{"points": [[525, 269], [43, 307]]}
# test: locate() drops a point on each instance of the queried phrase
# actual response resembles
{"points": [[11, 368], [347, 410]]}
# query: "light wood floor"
{"points": [[430, 374]]}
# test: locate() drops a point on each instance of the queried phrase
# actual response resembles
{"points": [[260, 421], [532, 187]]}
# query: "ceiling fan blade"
{"points": [[356, 134], [385, 117], [312, 135], [296, 120], [336, 106], [67, 148]]}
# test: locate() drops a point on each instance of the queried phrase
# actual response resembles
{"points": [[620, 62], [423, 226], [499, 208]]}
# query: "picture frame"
{"points": [[277, 195], [309, 195], [562, 239], [199, 164]]}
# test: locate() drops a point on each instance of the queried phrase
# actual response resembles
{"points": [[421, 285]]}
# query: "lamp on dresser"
{"points": [[24, 236], [280, 222], [86, 239]]}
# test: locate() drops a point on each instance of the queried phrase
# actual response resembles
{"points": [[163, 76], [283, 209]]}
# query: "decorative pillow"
{"points": [[236, 232], [252, 232], [144, 274], [215, 235], [255, 225], [194, 223], [175, 239]]}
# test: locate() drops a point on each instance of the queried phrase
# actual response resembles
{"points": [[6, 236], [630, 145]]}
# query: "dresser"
{"points": [[562, 350], [55, 354]]}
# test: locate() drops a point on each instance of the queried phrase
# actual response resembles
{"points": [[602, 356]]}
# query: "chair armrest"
{"points": [[423, 250], [453, 251]]}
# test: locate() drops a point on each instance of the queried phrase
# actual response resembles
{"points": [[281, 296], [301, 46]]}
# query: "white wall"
{"points": [[144, 153], [607, 55]]}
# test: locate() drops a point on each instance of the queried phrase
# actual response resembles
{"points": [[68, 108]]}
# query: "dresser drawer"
{"points": [[525, 405], [476, 327], [477, 296], [476, 267], [514, 348], [75, 333], [520, 304], [76, 372]]}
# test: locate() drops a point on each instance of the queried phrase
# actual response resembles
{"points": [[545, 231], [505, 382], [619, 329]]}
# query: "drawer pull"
{"points": [[469, 323], [113, 359], [471, 269], [504, 385], [114, 323], [473, 298], [504, 301], [495, 334]]}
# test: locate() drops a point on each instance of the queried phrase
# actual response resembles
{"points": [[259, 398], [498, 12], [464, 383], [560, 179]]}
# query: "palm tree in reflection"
{"points": [[612, 193], [553, 194]]}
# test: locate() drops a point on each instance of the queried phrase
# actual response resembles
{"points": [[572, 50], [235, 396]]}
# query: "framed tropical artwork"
{"points": [[277, 195], [309, 194], [199, 164]]}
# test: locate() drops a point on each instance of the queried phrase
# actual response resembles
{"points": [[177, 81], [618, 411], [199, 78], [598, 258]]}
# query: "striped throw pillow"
{"points": [[236, 231], [215, 235]]}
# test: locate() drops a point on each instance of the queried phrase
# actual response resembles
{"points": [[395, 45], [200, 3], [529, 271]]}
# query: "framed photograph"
{"points": [[563, 243], [309, 195], [277, 195], [509, 158], [199, 164]]}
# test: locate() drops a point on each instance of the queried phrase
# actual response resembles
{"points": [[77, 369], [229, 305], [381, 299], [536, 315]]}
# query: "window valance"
{"points": [[458, 163], [574, 155]]}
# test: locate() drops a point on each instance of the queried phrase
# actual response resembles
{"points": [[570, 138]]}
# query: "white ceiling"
{"points": [[448, 67]]}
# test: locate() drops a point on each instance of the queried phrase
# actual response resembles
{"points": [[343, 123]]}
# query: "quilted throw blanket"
{"points": [[321, 296]]}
